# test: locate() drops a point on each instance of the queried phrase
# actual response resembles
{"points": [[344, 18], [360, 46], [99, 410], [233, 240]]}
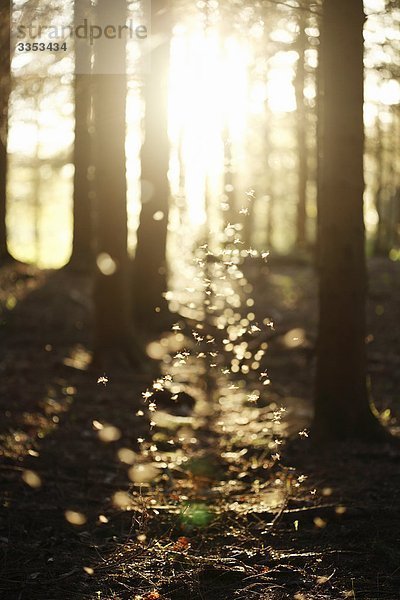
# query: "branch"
{"points": [[308, 9]]}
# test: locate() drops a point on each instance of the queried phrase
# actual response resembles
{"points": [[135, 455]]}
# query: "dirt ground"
{"points": [[230, 509]]}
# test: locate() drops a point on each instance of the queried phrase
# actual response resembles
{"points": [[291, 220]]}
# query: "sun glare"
{"points": [[211, 99], [207, 96]]}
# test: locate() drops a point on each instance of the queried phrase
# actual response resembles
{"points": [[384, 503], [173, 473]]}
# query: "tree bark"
{"points": [[150, 264], [113, 332], [342, 407], [5, 85], [82, 238]]}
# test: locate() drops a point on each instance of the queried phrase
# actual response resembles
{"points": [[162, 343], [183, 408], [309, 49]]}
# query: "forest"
{"points": [[199, 300]]}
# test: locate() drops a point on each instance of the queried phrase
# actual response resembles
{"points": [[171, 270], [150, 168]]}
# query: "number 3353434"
{"points": [[41, 46]]}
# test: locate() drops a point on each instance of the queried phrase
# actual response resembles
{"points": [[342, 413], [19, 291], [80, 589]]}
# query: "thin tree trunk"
{"points": [[232, 214], [301, 128], [396, 199], [341, 401], [249, 223], [5, 85], [270, 187], [150, 264], [391, 213], [270, 222], [113, 333], [82, 237], [318, 135]]}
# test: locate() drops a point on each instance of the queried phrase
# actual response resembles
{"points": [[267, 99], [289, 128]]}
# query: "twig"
{"points": [[278, 515], [301, 7]]}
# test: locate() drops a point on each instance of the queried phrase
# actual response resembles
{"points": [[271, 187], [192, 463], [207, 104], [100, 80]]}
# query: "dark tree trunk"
{"points": [[82, 239], [113, 334], [396, 196], [5, 85], [301, 128], [150, 265], [342, 406]]}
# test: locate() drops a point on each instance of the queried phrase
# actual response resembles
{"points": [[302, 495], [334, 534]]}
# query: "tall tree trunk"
{"points": [[270, 222], [82, 237], [391, 212], [5, 85], [301, 128], [113, 334], [396, 198], [318, 134], [342, 406], [270, 183], [150, 264]]}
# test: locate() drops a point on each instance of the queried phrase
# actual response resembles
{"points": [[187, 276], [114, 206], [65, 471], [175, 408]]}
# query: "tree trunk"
{"points": [[230, 192], [318, 134], [270, 183], [82, 238], [342, 406], [113, 334], [301, 128], [5, 85], [396, 197], [150, 265]]}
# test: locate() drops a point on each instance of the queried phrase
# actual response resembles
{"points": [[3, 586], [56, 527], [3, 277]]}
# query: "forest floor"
{"points": [[96, 505]]}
